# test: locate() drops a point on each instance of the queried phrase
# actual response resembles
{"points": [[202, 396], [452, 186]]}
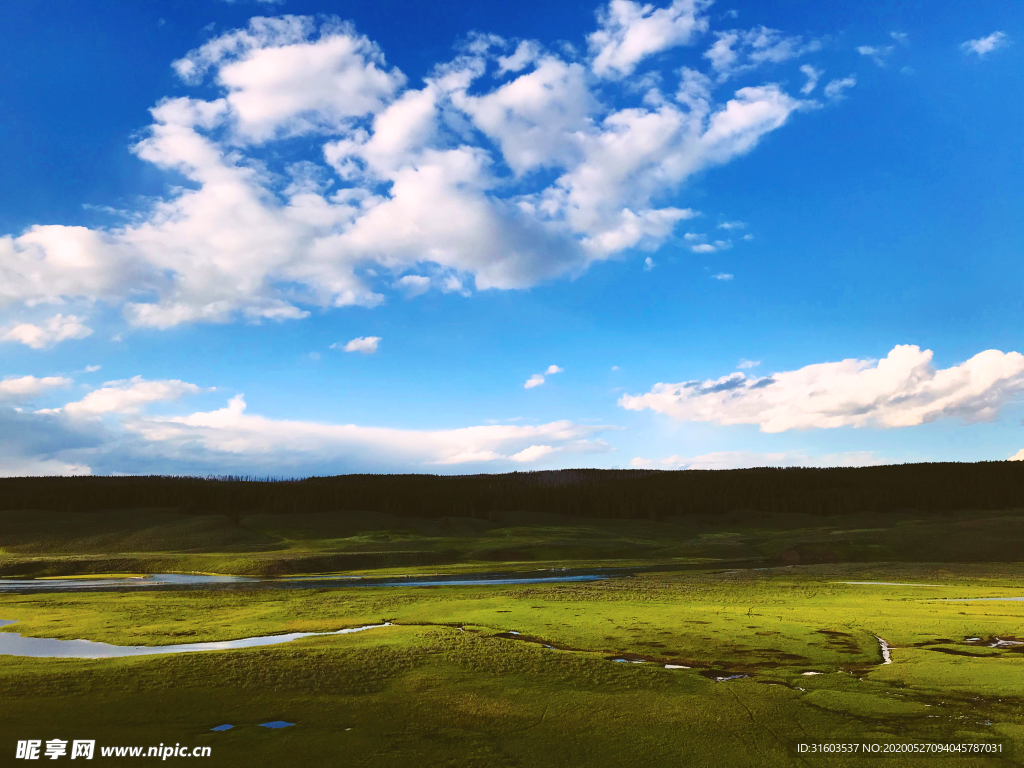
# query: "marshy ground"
{"points": [[447, 684]]}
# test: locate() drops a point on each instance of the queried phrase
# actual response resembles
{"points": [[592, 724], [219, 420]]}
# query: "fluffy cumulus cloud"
{"points": [[365, 344], [313, 174], [985, 45], [56, 329], [15, 389], [1018, 456], [741, 459], [539, 378], [901, 390], [118, 428], [126, 397]]}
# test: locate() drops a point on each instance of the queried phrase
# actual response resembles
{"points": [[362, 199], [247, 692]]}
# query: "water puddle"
{"points": [[224, 727], [276, 724], [12, 644], [890, 583]]}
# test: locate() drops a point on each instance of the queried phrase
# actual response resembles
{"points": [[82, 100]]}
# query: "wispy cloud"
{"points": [[985, 45], [113, 429], [877, 53], [836, 88]]}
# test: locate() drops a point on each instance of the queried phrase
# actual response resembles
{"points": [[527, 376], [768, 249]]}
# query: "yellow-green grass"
{"points": [[426, 693]]}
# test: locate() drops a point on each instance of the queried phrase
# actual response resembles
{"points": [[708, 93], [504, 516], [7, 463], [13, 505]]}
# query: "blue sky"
{"points": [[305, 237]]}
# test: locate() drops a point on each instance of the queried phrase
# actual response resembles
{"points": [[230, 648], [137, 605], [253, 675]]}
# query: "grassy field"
{"points": [[444, 687], [34, 543]]}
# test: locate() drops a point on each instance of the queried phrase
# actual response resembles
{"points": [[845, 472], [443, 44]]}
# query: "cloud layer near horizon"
{"points": [[113, 430], [903, 389], [508, 165]]}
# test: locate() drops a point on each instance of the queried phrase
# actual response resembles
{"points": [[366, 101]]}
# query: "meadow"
{"points": [[738, 639], [446, 685]]}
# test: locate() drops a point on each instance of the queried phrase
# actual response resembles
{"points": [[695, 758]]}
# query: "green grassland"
{"points": [[443, 688], [446, 685], [39, 543]]}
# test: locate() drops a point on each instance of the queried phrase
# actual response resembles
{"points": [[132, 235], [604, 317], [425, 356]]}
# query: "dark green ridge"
{"points": [[599, 493]]}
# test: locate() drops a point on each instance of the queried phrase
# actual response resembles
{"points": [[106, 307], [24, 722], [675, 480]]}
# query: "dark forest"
{"points": [[620, 494]]}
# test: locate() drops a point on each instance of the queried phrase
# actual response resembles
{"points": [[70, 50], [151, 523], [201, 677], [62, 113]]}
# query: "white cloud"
{"points": [[128, 396], [835, 88], [718, 245], [55, 330], [649, 264], [539, 378], [365, 344], [414, 285], [533, 453], [22, 466], [525, 54], [91, 368], [725, 276], [630, 32], [747, 364], [1018, 456], [877, 53], [439, 180], [901, 390], [23, 388], [534, 381], [70, 440], [985, 45], [813, 74], [738, 51], [730, 225], [742, 459], [900, 37], [231, 431], [284, 80]]}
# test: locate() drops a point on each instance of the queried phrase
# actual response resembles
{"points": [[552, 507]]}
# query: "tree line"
{"points": [[601, 493]]}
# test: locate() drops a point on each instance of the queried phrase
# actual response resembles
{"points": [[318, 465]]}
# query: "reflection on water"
{"points": [[174, 581], [12, 644]]}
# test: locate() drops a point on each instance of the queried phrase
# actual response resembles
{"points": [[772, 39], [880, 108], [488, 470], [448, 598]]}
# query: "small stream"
{"points": [[193, 581], [12, 644]]}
